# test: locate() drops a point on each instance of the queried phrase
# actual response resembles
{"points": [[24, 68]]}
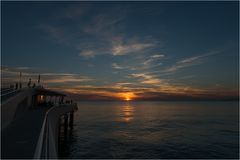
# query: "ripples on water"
{"points": [[154, 130]]}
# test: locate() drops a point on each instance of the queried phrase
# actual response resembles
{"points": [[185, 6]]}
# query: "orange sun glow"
{"points": [[127, 96]]}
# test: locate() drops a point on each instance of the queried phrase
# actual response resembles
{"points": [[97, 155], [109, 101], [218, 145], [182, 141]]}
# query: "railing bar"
{"points": [[9, 93], [4, 90], [38, 150], [45, 131]]}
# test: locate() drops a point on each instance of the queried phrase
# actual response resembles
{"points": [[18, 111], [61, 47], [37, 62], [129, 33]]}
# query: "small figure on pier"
{"points": [[34, 85], [29, 83], [39, 79]]}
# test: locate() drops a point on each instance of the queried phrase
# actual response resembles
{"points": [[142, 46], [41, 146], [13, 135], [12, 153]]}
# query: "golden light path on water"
{"points": [[128, 112]]}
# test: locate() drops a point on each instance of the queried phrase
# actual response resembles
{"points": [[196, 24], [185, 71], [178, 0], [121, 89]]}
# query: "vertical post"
{"points": [[71, 120], [55, 100], [59, 134], [20, 83], [61, 100], [65, 125]]}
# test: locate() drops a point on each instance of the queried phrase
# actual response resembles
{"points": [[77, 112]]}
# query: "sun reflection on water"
{"points": [[128, 112]]}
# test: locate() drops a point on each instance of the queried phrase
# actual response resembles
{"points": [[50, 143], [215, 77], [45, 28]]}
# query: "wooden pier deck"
{"points": [[20, 138]]}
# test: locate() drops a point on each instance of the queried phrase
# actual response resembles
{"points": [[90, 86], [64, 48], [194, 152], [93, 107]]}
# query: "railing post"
{"points": [[59, 133], [65, 125], [71, 120]]}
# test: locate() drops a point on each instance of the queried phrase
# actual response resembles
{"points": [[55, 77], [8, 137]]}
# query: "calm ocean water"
{"points": [[154, 130]]}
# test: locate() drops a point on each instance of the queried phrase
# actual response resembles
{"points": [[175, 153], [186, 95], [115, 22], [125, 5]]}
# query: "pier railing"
{"points": [[8, 92], [47, 145]]}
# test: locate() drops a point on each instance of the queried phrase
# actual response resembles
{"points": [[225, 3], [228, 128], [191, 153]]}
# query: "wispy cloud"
{"points": [[15, 70], [117, 66], [190, 61], [24, 68], [55, 32], [88, 53], [184, 63], [124, 49], [153, 58], [163, 85], [103, 24], [12, 75], [66, 79], [114, 47], [144, 85], [105, 30], [147, 79]]}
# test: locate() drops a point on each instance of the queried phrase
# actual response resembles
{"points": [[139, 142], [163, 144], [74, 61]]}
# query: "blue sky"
{"points": [[103, 48]]}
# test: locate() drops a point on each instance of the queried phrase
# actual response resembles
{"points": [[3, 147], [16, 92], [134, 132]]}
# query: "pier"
{"points": [[31, 119]]}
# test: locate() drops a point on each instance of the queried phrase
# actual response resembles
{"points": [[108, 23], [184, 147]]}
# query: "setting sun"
{"points": [[127, 96]]}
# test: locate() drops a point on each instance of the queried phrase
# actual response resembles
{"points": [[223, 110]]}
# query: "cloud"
{"points": [[125, 49], [151, 81], [158, 56], [107, 31], [116, 66], [58, 33], [23, 68], [184, 63], [121, 67], [195, 60], [11, 75], [116, 46], [121, 84], [103, 24], [158, 85], [5, 70], [146, 79], [141, 75], [66, 79], [145, 87], [88, 53], [153, 58], [102, 33], [55, 32]]}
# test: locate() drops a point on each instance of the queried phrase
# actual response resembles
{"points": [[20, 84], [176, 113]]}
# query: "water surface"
{"points": [[154, 130]]}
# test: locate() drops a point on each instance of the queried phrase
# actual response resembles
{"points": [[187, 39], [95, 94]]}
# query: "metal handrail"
{"points": [[6, 89], [46, 140], [44, 132], [9, 93]]}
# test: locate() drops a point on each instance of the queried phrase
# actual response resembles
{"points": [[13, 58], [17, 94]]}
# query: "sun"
{"points": [[127, 96]]}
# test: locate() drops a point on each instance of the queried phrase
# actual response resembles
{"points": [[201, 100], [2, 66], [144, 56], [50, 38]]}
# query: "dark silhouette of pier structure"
{"points": [[32, 119]]}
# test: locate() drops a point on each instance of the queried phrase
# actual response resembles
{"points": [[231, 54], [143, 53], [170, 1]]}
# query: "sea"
{"points": [[154, 130]]}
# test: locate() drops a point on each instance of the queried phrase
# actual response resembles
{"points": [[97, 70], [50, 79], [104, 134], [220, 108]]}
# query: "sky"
{"points": [[124, 50]]}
